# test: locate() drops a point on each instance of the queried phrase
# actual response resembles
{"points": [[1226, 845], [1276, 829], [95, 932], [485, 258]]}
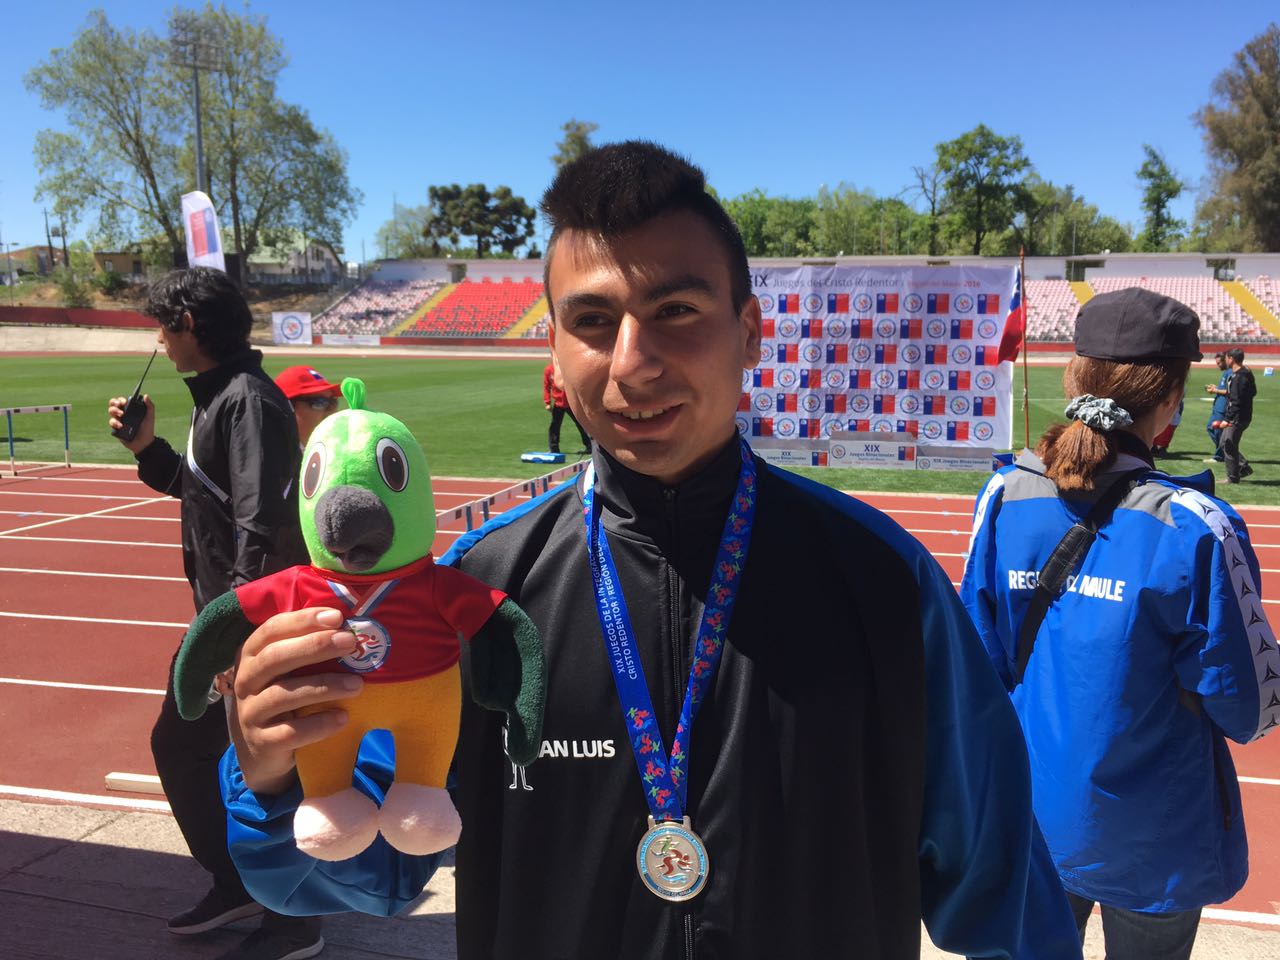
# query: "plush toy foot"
{"points": [[419, 820], [337, 826]]}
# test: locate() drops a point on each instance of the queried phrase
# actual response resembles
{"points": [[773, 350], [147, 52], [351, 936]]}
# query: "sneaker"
{"points": [[1210, 460], [1246, 471], [266, 945], [213, 911]]}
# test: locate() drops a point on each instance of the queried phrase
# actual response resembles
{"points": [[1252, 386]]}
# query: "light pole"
{"points": [[192, 44]]}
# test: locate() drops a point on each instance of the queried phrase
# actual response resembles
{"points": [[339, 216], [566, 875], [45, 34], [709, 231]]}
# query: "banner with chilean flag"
{"points": [[878, 346]]}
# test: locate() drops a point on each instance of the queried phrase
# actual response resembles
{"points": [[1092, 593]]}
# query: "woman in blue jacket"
{"points": [[1154, 650]]}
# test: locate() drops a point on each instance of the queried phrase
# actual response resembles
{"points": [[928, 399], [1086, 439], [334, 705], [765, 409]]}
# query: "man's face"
{"points": [[182, 348], [309, 411], [648, 345], [1222, 363]]}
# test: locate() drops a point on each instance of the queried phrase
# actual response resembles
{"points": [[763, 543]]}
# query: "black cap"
{"points": [[1135, 325]]}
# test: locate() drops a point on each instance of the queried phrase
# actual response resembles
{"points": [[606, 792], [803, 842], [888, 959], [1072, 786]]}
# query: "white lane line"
{"points": [[1241, 916], [76, 496], [128, 623], [1265, 781], [36, 476], [91, 798], [86, 573], [109, 543], [84, 516], [60, 685]]}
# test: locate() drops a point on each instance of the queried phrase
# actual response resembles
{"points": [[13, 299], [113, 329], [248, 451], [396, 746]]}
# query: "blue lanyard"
{"points": [[665, 775]]}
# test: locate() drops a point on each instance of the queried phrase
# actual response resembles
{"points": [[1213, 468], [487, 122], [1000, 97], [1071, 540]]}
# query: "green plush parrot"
{"points": [[368, 519]]}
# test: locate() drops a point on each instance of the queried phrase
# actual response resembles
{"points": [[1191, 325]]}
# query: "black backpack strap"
{"points": [[1065, 558]]}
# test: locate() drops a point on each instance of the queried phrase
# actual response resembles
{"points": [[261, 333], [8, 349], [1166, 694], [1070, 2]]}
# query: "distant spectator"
{"points": [[554, 399], [313, 397], [1241, 390], [1219, 411]]}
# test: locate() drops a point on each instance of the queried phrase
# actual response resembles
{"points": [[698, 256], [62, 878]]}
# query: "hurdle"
{"points": [[478, 511], [65, 408]]}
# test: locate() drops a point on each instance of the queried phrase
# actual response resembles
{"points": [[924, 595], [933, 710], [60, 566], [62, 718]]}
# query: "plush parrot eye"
{"points": [[392, 464], [313, 473]]}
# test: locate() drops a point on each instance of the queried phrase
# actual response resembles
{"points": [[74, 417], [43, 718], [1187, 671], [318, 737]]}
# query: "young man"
{"points": [[239, 522], [555, 402], [770, 730], [312, 397], [1241, 389], [1219, 411]]}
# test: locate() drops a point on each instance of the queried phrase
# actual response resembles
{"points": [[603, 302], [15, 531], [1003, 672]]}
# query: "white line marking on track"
{"points": [[84, 516], [69, 797], [86, 573], [1265, 781], [1241, 916], [129, 623], [109, 543], [136, 482], [77, 496], [60, 685]]}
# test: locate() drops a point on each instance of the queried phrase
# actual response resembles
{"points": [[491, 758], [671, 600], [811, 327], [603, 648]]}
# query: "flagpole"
{"points": [[1026, 322]]}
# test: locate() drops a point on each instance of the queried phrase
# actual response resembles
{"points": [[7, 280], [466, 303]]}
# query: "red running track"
{"points": [[93, 603]]}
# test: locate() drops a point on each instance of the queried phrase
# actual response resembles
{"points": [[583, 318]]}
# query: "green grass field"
{"points": [[475, 417]]}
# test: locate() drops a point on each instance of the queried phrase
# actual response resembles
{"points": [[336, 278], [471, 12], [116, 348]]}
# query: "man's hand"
{"points": [[547, 405], [262, 712], [146, 430]]}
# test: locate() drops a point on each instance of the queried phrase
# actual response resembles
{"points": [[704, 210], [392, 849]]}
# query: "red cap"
{"points": [[297, 382]]}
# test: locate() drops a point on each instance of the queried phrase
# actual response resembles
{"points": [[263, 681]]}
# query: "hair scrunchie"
{"points": [[1098, 413]]}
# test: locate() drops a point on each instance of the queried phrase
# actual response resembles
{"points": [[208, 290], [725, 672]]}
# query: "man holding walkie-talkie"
{"points": [[239, 523]]}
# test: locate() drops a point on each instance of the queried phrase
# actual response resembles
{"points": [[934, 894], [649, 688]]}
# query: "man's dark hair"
{"points": [[221, 320], [1236, 355], [620, 186]]}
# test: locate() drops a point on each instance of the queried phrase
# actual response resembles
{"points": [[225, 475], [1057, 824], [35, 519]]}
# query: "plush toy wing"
{"points": [[508, 673], [208, 649]]}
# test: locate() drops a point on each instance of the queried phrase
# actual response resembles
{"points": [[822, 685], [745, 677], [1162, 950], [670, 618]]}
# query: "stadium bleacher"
{"points": [[376, 306], [1051, 310], [479, 308], [1267, 290], [1221, 319]]}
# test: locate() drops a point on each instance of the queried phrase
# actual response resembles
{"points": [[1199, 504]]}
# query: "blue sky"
{"points": [[781, 96]]}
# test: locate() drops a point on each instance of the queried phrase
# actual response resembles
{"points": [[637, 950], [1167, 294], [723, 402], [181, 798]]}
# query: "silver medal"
{"points": [[672, 860]]}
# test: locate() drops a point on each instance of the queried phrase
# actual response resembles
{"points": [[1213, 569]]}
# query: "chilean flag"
{"points": [[957, 379], [786, 402], [837, 303], [906, 452], [766, 328], [909, 426], [957, 429], [986, 357], [788, 353], [886, 353], [837, 353], [811, 379], [935, 353], [860, 329], [762, 426], [886, 303], [939, 303], [935, 406], [1015, 324], [762, 377], [837, 403], [988, 303], [984, 406], [744, 403], [911, 329], [811, 329], [884, 403], [810, 428], [860, 426], [789, 303], [859, 379], [908, 379], [961, 329], [818, 458]]}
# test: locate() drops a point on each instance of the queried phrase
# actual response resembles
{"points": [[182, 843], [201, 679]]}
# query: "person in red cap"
{"points": [[313, 397]]}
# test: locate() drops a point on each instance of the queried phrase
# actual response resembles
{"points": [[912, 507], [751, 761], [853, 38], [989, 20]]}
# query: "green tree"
{"points": [[1160, 187], [574, 142], [980, 171], [928, 187], [1242, 135], [498, 218]]}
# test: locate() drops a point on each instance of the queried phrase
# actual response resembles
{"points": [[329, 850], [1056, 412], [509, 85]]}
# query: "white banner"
{"points": [[350, 339], [291, 328], [204, 241], [895, 451], [887, 350]]}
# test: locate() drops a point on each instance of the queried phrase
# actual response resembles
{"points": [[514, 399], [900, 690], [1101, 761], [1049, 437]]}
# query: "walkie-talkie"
{"points": [[134, 410]]}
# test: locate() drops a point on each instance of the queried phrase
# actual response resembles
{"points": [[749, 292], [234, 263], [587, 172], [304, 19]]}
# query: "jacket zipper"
{"points": [[679, 679]]}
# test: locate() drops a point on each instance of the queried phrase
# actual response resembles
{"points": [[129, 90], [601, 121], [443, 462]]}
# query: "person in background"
{"points": [[1219, 410], [236, 481], [553, 398], [1134, 670], [1160, 445], [1241, 389], [312, 396]]}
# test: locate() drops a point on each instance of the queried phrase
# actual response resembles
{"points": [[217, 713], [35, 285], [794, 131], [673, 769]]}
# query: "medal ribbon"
{"points": [[665, 774], [371, 600]]}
